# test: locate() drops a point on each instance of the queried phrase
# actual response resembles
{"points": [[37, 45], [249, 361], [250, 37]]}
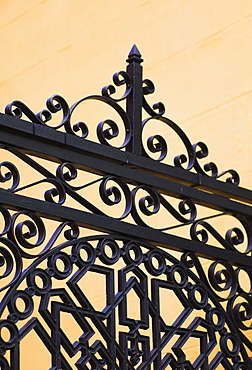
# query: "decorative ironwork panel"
{"points": [[167, 240]]}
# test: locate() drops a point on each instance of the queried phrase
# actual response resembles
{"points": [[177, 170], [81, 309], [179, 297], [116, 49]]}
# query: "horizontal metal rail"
{"points": [[98, 159]]}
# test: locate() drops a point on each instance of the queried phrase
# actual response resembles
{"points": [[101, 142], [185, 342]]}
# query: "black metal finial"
{"points": [[134, 55]]}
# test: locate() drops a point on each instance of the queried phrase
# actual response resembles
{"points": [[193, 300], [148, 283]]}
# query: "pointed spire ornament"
{"points": [[134, 55]]}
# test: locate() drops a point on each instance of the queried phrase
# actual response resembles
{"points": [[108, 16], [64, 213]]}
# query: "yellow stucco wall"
{"points": [[198, 53]]}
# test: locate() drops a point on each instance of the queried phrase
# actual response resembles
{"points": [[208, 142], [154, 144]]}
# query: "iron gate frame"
{"points": [[131, 168]]}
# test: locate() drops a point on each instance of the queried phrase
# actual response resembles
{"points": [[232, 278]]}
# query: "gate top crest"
{"points": [[136, 89], [190, 209]]}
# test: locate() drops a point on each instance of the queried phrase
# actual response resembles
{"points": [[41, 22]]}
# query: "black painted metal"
{"points": [[117, 213]]}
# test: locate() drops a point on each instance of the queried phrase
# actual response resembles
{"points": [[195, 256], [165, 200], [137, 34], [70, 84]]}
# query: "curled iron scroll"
{"points": [[55, 104], [162, 145], [234, 236], [106, 134], [201, 151]]}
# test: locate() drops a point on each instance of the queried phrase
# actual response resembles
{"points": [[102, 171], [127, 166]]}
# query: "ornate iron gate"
{"points": [[179, 252]]}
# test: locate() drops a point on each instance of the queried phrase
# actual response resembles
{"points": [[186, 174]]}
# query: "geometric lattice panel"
{"points": [[112, 337]]}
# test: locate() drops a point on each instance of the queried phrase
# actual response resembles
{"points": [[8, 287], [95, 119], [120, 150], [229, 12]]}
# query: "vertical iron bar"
{"points": [[134, 100]]}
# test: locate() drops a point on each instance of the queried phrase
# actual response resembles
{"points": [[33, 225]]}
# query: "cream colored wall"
{"points": [[198, 53]]}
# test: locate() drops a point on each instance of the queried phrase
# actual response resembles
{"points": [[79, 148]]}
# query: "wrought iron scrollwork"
{"points": [[108, 129], [154, 302], [233, 237], [211, 167], [12, 175], [112, 191], [54, 104], [151, 203]]}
